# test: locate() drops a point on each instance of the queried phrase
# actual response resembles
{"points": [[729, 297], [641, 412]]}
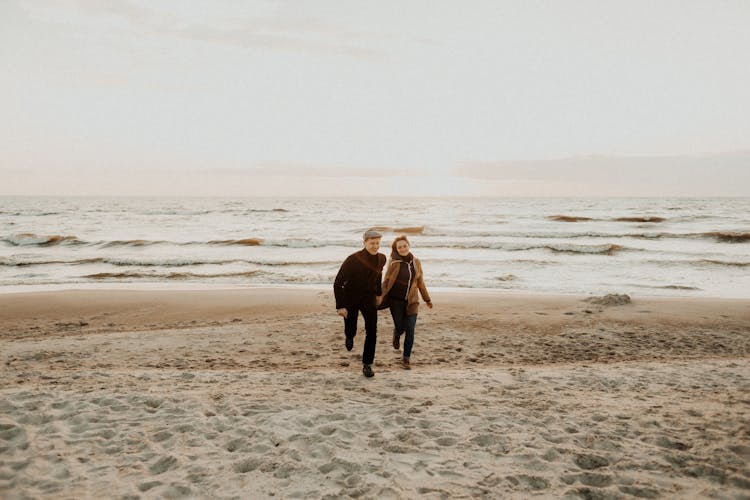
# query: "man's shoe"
{"points": [[349, 343], [405, 364], [367, 371], [396, 342]]}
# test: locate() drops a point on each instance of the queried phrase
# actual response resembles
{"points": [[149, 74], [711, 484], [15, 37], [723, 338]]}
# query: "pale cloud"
{"points": [[302, 171], [233, 24], [725, 173], [264, 182], [270, 35]]}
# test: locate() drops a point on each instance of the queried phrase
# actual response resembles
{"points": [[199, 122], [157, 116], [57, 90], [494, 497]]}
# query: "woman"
{"points": [[401, 287]]}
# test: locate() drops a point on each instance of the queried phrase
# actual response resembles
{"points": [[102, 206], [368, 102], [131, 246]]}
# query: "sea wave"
{"points": [[201, 262], [668, 287], [250, 242], [222, 211], [605, 248], [248, 211], [695, 263], [169, 276], [465, 240], [162, 262], [132, 243], [401, 230], [177, 212], [310, 243], [729, 236], [560, 235], [608, 249], [15, 262], [29, 214], [142, 243], [575, 218], [639, 219], [30, 239], [714, 262], [506, 277], [125, 262], [409, 230], [568, 218]]}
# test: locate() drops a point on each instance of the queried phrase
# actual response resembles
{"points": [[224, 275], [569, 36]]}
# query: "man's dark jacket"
{"points": [[358, 279]]}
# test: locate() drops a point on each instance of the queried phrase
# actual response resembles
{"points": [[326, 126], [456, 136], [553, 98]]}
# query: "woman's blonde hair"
{"points": [[400, 237]]}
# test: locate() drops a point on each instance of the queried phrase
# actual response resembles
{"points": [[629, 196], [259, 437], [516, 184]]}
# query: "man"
{"points": [[357, 289]]}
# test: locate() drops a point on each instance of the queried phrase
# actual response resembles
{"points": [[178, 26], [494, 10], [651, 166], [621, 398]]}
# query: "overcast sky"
{"points": [[521, 98]]}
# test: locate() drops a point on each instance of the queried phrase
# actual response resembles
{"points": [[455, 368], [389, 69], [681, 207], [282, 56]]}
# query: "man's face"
{"points": [[372, 245]]}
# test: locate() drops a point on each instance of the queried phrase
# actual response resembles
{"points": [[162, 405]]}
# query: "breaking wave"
{"points": [[668, 287], [729, 237], [132, 243], [722, 263], [169, 276], [13, 262], [402, 230], [640, 219], [250, 242], [123, 262], [507, 277], [606, 248], [144, 243], [464, 241], [568, 218], [573, 218], [30, 239], [610, 249]]}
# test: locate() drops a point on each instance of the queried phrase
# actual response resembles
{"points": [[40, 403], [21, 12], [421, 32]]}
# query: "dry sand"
{"points": [[251, 394]]}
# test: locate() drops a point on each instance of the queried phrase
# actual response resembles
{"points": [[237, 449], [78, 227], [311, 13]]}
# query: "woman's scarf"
{"points": [[395, 257]]}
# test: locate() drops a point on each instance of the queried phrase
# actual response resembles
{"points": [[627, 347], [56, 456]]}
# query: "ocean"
{"points": [[696, 247]]}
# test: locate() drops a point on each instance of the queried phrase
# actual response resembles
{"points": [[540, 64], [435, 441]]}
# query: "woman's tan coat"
{"points": [[417, 283]]}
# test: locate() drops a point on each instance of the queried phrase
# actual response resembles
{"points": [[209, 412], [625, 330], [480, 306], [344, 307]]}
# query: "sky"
{"points": [[401, 98]]}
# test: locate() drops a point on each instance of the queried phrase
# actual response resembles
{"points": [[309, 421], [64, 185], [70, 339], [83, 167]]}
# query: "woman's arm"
{"points": [[422, 287]]}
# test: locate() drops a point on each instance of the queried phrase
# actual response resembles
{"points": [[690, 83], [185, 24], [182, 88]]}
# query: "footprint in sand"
{"points": [[163, 465], [144, 487], [591, 479], [530, 482], [591, 462], [13, 436], [247, 465]]}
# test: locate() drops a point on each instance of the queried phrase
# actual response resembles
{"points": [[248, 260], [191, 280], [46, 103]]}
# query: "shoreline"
{"points": [[205, 287], [160, 308], [63, 314]]}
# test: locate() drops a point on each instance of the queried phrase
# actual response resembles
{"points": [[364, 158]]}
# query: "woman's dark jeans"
{"points": [[403, 323]]}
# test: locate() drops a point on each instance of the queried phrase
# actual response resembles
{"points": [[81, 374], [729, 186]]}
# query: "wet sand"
{"points": [[250, 393]]}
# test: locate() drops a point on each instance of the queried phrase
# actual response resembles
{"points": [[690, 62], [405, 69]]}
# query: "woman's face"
{"points": [[402, 247]]}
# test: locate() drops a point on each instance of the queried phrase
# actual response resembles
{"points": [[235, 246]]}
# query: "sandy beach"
{"points": [[249, 393]]}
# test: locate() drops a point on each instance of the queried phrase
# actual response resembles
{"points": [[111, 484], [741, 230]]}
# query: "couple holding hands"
{"points": [[358, 289]]}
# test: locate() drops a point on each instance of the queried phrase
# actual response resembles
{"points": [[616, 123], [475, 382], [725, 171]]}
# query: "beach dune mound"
{"points": [[611, 299]]}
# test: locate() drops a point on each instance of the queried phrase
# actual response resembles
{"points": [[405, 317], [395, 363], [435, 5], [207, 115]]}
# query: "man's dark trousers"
{"points": [[370, 313]]}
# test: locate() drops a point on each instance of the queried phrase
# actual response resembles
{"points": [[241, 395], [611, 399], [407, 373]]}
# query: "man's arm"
{"points": [[342, 279], [381, 263]]}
